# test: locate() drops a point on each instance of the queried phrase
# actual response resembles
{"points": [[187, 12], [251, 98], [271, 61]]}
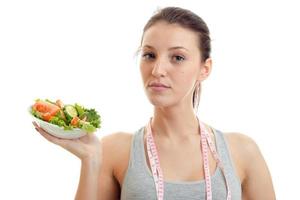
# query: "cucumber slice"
{"points": [[70, 111], [79, 109]]}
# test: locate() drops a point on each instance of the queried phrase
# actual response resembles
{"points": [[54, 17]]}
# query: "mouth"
{"points": [[155, 86], [158, 84]]}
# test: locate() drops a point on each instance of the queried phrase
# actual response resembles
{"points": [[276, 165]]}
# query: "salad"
{"points": [[68, 116]]}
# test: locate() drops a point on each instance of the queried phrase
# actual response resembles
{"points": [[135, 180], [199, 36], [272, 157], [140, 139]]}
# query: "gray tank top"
{"points": [[138, 182]]}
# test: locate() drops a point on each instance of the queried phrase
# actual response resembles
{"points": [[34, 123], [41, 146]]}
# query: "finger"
{"points": [[43, 132], [35, 124], [49, 137]]}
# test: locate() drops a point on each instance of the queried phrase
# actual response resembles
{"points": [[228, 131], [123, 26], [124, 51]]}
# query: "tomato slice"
{"points": [[47, 110]]}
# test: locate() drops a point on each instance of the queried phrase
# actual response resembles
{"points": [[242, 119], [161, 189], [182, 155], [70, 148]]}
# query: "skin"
{"points": [[174, 125]]}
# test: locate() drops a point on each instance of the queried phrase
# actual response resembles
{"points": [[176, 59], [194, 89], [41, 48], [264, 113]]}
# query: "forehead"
{"points": [[163, 35]]}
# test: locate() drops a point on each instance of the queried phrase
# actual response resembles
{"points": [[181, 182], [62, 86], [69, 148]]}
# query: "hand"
{"points": [[86, 147]]}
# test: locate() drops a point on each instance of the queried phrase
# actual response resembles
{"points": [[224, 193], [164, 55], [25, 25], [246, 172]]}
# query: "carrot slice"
{"points": [[75, 121]]}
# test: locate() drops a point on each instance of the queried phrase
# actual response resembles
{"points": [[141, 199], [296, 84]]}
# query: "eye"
{"points": [[148, 56], [179, 58]]}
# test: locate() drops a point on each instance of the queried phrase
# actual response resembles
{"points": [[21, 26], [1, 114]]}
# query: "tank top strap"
{"points": [[224, 153], [136, 156]]}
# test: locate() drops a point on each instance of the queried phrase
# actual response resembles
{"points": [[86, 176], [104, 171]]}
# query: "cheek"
{"points": [[186, 77], [185, 80], [144, 70]]}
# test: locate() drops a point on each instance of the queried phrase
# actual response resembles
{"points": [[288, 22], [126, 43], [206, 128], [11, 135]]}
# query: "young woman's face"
{"points": [[170, 64]]}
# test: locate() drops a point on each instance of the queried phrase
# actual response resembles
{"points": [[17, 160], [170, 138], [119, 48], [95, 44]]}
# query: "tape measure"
{"points": [[205, 142]]}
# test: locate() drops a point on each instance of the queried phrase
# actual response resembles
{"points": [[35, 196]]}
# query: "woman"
{"points": [[170, 158]]}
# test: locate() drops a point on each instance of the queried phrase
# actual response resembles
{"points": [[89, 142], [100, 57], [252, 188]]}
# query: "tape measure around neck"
{"points": [[157, 171]]}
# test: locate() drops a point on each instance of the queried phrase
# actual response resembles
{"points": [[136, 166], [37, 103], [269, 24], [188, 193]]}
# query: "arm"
{"points": [[108, 186], [87, 187], [258, 182], [96, 178], [97, 181]]}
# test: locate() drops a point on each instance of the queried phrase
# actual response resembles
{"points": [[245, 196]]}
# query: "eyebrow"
{"points": [[171, 48]]}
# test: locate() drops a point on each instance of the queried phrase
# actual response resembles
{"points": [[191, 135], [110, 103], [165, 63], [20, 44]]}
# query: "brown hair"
{"points": [[189, 20]]}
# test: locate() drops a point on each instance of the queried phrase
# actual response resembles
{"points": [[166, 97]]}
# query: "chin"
{"points": [[160, 102]]}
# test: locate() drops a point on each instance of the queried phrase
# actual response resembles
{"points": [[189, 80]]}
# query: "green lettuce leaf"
{"points": [[86, 126], [93, 118]]}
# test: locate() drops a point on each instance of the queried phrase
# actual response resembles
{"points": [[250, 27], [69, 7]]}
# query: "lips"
{"points": [[157, 84]]}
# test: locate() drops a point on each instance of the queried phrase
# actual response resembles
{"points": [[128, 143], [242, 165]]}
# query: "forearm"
{"points": [[88, 183]]}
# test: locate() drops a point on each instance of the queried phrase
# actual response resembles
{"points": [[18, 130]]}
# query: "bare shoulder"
{"points": [[116, 153], [243, 150], [117, 144], [253, 170], [114, 140], [115, 148], [244, 144]]}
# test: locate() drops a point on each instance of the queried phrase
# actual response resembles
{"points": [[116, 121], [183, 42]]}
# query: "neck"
{"points": [[175, 123]]}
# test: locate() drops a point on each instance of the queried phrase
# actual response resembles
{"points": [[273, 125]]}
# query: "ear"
{"points": [[205, 69]]}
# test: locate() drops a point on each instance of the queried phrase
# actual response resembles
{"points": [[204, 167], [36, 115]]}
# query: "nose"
{"points": [[159, 69]]}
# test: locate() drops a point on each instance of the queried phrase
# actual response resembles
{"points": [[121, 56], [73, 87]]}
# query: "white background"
{"points": [[83, 51]]}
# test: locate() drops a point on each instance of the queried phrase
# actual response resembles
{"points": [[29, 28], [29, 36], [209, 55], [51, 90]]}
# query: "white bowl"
{"points": [[58, 131]]}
